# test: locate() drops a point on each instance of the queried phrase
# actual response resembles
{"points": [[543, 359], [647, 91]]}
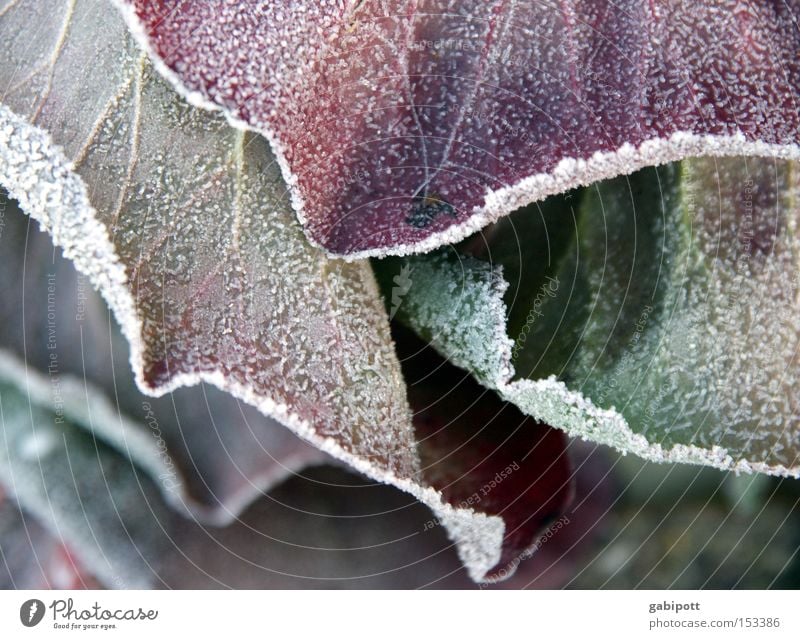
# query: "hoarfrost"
{"points": [[684, 300], [376, 110]]}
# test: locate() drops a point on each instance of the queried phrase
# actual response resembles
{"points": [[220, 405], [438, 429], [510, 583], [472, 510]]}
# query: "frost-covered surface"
{"points": [[693, 334], [184, 225], [211, 452], [483, 452], [669, 331], [201, 243], [405, 124], [53, 564], [77, 487], [456, 303]]}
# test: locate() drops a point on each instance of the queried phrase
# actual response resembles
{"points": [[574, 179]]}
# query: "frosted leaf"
{"points": [[209, 451], [105, 521], [665, 323], [105, 518], [184, 225], [454, 302], [484, 453], [401, 126], [89, 498]]}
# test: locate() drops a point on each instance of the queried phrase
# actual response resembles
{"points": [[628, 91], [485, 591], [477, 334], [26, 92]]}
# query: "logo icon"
{"points": [[31, 612]]}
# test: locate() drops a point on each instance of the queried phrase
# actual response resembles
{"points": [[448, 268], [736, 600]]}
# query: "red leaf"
{"points": [[402, 125], [483, 453]]}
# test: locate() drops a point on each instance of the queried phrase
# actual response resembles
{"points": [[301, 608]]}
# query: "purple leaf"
{"points": [[400, 126]]}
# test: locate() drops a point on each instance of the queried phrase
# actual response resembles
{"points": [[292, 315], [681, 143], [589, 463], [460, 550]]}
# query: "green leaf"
{"points": [[666, 327]]}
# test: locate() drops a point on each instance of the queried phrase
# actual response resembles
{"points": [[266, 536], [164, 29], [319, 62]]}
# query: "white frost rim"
{"points": [[570, 173]]}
